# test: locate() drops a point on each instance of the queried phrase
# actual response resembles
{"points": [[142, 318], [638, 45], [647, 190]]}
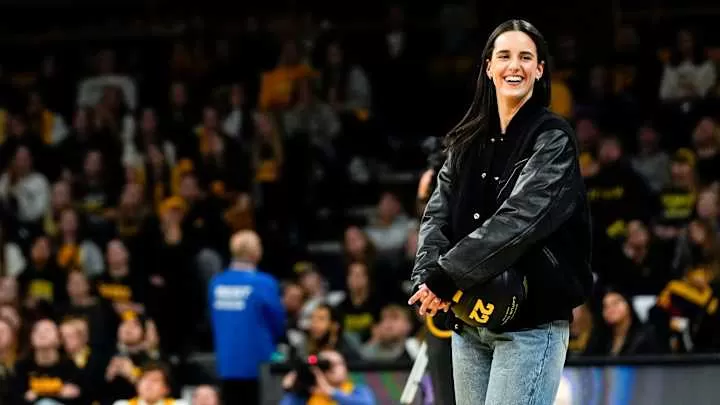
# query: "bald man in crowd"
{"points": [[248, 319]]}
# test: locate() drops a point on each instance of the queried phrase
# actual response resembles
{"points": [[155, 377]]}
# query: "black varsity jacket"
{"points": [[541, 225]]}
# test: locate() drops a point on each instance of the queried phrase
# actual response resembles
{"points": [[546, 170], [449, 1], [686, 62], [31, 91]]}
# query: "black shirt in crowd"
{"points": [[45, 381], [359, 319], [120, 387]]}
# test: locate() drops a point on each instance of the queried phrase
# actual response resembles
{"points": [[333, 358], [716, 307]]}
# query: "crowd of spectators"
{"points": [[119, 193]]}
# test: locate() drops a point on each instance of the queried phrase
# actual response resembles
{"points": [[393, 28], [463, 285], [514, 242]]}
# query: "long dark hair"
{"points": [[698, 53], [483, 110]]}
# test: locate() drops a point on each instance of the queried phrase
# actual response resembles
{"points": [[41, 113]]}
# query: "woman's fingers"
{"points": [[436, 306], [428, 303], [419, 295]]}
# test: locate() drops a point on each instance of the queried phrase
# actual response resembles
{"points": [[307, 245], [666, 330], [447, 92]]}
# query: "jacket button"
{"points": [[492, 139], [483, 175], [496, 178], [476, 215]]}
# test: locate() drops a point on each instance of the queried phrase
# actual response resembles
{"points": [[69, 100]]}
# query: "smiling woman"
{"points": [[513, 68], [504, 242]]}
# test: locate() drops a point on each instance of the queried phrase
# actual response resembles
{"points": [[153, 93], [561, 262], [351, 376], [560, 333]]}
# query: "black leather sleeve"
{"points": [[434, 228], [544, 196]]}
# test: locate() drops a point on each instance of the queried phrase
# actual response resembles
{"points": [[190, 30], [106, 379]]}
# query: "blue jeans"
{"points": [[513, 368]]}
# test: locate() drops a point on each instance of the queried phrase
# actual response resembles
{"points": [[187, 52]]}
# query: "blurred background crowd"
{"points": [[131, 150]]}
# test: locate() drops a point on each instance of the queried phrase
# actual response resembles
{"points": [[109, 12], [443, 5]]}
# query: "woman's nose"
{"points": [[514, 64]]}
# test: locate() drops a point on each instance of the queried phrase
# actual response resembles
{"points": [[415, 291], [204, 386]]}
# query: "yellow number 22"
{"points": [[485, 310]]}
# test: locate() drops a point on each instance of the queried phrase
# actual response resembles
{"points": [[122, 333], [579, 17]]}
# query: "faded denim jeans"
{"points": [[513, 368]]}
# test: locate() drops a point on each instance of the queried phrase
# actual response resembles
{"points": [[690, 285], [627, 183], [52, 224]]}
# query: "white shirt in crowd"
{"points": [[701, 77], [32, 193], [90, 90], [392, 237], [14, 260]]}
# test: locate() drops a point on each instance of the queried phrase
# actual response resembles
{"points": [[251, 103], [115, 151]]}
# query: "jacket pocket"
{"points": [[550, 257]]}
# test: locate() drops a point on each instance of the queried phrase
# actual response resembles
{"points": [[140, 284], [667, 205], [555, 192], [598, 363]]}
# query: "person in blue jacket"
{"points": [[332, 387], [248, 319]]}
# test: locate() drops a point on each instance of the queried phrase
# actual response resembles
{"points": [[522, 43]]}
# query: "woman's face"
{"points": [[703, 134], [45, 335], [61, 195], [311, 282], [357, 277], [514, 66], [685, 42], [23, 161], [637, 234], [355, 240], [40, 251], [68, 221], [117, 255], [152, 386], [93, 164], [77, 285], [707, 205], [205, 395], [320, 323], [609, 151], [615, 308], [130, 332], [293, 298], [72, 336]]}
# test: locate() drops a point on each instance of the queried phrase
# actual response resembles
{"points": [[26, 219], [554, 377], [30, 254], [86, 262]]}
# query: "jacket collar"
{"points": [[523, 119]]}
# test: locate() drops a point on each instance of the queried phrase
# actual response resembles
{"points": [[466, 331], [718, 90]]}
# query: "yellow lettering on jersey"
{"points": [[46, 386], [115, 292]]}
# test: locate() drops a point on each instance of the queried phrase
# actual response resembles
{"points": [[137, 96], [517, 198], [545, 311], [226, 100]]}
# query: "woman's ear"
{"points": [[540, 70]]}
